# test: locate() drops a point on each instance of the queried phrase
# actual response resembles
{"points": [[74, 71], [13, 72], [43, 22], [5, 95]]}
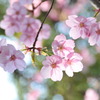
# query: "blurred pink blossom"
{"points": [[91, 94], [88, 58], [11, 59], [2, 43], [45, 32], [10, 25], [23, 2], [28, 39], [12, 1], [33, 95], [37, 77], [17, 11], [30, 25]]}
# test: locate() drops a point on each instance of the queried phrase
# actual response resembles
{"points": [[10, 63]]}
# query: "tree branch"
{"points": [[42, 26]]}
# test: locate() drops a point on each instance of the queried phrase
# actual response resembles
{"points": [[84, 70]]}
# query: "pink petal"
{"points": [[77, 66], [92, 39], [46, 72], [10, 67], [60, 37], [57, 74], [69, 71], [69, 43], [19, 64], [74, 33]]}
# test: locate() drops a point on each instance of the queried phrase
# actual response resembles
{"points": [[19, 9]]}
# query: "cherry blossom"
{"points": [[23, 2], [12, 1], [2, 43], [34, 94], [91, 94], [28, 39], [73, 64], [95, 35], [17, 11], [80, 26], [10, 25], [11, 59], [62, 46], [52, 68], [37, 77], [30, 25], [45, 32]]}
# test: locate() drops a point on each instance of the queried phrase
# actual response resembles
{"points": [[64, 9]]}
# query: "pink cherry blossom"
{"points": [[17, 11], [33, 95], [45, 32], [95, 35], [45, 6], [62, 46], [10, 25], [30, 25], [91, 94], [2, 43], [52, 68], [28, 39], [37, 77], [23, 2], [11, 59], [88, 58], [73, 64], [12, 1], [79, 26]]}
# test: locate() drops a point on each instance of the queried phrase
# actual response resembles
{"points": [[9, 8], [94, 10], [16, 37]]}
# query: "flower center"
{"points": [[69, 62], [28, 25], [98, 32], [81, 25], [53, 65], [12, 57], [60, 48], [17, 13]]}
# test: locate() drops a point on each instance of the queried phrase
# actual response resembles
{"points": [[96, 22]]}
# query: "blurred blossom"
{"points": [[25, 2], [91, 94], [33, 95], [45, 6], [12, 1], [45, 32], [17, 11], [88, 58], [37, 77], [97, 49], [10, 25]]}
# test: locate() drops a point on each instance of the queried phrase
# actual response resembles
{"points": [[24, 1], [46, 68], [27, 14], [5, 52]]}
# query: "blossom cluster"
{"points": [[64, 59], [19, 20], [84, 28], [10, 58]]}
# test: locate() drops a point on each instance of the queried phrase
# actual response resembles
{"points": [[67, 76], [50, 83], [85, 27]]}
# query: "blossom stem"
{"points": [[42, 25], [97, 13]]}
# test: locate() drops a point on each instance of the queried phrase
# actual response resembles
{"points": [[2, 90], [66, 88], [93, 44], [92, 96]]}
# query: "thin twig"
{"points": [[42, 25], [97, 13]]}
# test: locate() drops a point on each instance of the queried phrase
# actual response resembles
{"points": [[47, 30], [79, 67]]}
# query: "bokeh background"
{"points": [[29, 85]]}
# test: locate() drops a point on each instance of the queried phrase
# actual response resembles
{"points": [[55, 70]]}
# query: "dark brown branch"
{"points": [[42, 25]]}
